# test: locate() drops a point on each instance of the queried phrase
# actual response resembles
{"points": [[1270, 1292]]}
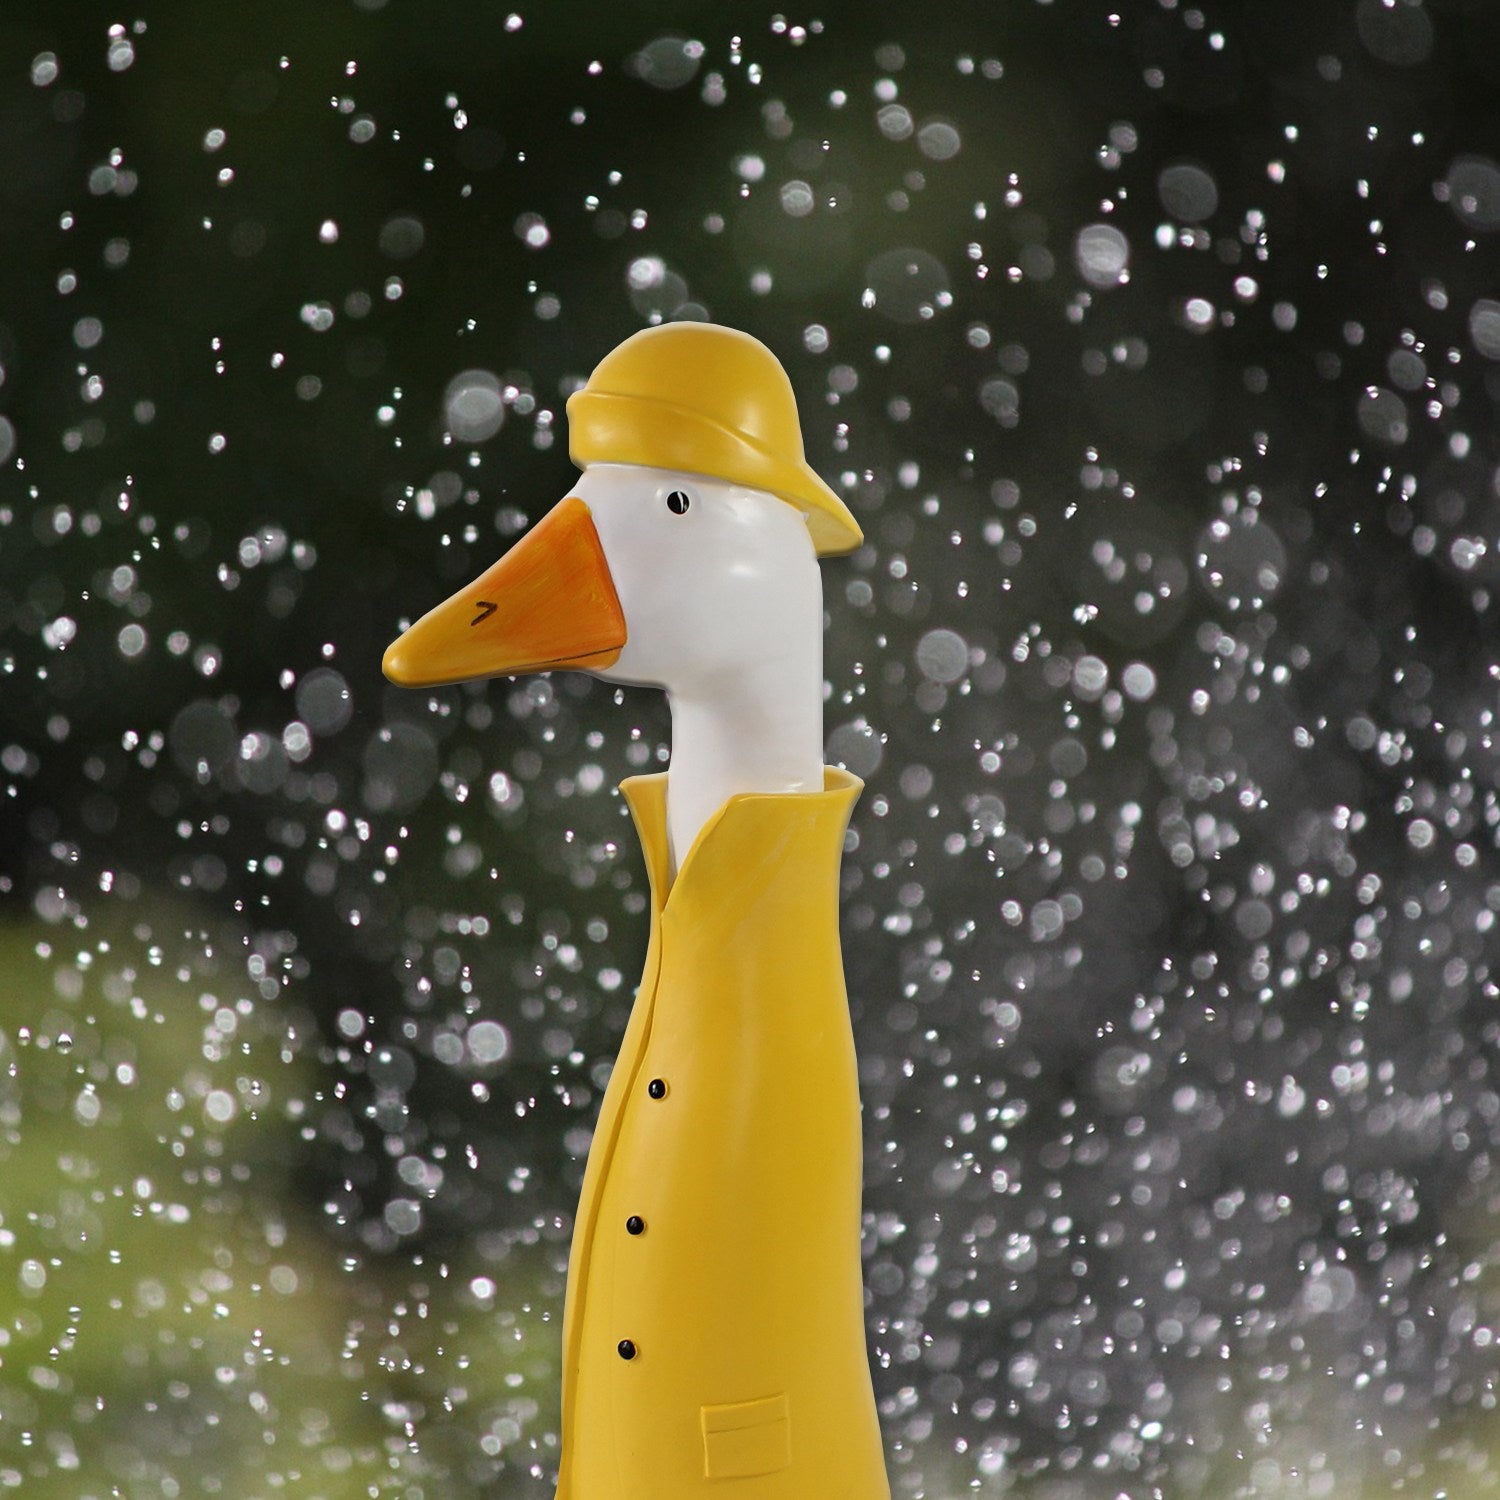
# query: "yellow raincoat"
{"points": [[714, 1338]]}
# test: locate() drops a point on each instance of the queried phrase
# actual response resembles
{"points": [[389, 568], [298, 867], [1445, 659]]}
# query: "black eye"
{"points": [[678, 502]]}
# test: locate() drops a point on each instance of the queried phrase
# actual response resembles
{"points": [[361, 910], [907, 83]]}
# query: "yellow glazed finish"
{"points": [[706, 400], [718, 1228]]}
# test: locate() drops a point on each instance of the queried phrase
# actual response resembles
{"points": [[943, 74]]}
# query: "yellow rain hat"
{"points": [[707, 400]]}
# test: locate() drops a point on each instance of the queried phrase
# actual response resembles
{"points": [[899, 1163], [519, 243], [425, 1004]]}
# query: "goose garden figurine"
{"points": [[714, 1321]]}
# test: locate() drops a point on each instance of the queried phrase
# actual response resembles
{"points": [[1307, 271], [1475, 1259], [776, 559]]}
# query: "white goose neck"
{"points": [[761, 731]]}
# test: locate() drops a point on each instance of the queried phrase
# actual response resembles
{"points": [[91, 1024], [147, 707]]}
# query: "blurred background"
{"points": [[1157, 349]]}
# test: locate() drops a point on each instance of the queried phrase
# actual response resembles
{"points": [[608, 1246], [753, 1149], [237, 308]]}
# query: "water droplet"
{"points": [[907, 285], [401, 236], [400, 764], [403, 1216], [1197, 314], [1395, 31], [474, 406], [1484, 329], [60, 632], [1102, 254], [532, 231], [669, 62], [1139, 681], [1001, 399], [1242, 562], [1090, 677], [202, 738], [324, 701], [488, 1042], [894, 121], [857, 747], [797, 199], [1187, 193], [656, 292], [220, 1106], [1382, 415], [1472, 190], [937, 140], [943, 656]]}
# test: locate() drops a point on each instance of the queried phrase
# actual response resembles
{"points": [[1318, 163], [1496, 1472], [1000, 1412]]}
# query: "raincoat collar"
{"points": [[646, 797]]}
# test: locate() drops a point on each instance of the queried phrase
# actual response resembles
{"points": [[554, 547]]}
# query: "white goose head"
{"points": [[684, 558]]}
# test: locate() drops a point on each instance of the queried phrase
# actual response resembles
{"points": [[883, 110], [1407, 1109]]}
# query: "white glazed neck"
{"points": [[759, 731]]}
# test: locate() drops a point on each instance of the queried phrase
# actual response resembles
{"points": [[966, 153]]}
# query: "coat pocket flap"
{"points": [[747, 1437]]}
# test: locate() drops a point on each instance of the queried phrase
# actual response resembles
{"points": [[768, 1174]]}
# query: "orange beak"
{"points": [[549, 603]]}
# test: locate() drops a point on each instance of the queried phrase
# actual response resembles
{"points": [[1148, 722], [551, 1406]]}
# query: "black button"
{"points": [[635, 1224], [627, 1349], [657, 1088]]}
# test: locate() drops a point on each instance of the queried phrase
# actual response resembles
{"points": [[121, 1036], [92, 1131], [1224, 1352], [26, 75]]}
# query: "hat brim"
{"points": [[606, 428]]}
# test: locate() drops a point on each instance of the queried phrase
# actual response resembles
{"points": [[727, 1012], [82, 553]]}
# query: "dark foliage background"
{"points": [[1157, 349]]}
